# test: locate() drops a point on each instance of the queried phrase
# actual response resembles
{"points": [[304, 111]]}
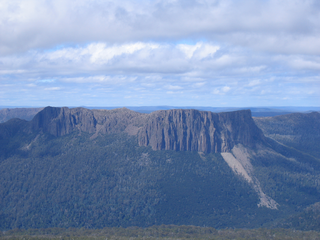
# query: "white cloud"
{"points": [[200, 84], [174, 92], [226, 89], [255, 69], [188, 50], [112, 58], [2, 72], [254, 83], [221, 90], [46, 80], [52, 89], [300, 63], [205, 48], [225, 60], [102, 62], [91, 79], [100, 53], [216, 91], [103, 79], [172, 87], [284, 26]]}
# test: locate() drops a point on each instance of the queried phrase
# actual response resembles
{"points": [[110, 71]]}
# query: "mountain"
{"points": [[7, 113], [95, 168], [180, 130], [62, 121], [193, 130]]}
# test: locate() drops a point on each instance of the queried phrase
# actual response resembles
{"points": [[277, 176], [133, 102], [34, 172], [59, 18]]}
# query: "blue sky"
{"points": [[218, 53]]}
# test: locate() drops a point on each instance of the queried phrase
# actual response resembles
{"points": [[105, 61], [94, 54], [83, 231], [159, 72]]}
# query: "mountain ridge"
{"points": [[94, 168], [178, 129], [28, 113], [193, 130]]}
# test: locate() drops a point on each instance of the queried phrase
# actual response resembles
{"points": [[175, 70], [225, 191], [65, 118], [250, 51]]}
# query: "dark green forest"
{"points": [[81, 180], [297, 130], [73, 181]]}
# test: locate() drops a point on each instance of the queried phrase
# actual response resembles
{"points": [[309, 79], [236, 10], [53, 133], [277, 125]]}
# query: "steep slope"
{"points": [[97, 168], [62, 121], [193, 130], [180, 130], [74, 181], [240, 163], [298, 130]]}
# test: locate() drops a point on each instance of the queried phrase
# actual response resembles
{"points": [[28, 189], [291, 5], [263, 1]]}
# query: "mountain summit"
{"points": [[95, 168], [178, 129], [193, 130]]}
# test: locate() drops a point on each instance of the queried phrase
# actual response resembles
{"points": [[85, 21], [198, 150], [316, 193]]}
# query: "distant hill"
{"points": [[298, 130], [96, 168]]}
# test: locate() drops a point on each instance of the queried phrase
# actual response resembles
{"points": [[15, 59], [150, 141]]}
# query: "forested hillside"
{"points": [[296, 130], [82, 168]]}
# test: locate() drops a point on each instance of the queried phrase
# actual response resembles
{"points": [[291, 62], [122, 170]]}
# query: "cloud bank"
{"points": [[174, 52]]}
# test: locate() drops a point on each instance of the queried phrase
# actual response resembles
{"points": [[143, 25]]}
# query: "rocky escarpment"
{"points": [[180, 130], [62, 121], [193, 130]]}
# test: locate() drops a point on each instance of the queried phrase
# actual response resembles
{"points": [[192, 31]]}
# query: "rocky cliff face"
{"points": [[180, 130], [193, 130], [62, 121]]}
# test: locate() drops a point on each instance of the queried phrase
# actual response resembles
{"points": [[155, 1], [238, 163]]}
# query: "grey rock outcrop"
{"points": [[62, 121], [193, 130], [180, 130]]}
